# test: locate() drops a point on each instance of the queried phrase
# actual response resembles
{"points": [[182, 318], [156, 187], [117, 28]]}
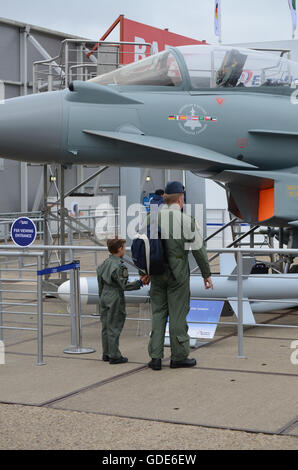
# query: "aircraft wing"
{"points": [[162, 152]]}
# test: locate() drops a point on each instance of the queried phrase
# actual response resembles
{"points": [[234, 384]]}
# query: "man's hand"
{"points": [[208, 283], [145, 280]]}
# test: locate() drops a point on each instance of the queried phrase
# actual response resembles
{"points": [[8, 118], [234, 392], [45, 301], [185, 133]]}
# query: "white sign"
{"points": [[202, 310]]}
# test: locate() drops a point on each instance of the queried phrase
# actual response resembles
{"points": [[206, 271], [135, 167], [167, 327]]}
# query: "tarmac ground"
{"points": [[81, 402]]}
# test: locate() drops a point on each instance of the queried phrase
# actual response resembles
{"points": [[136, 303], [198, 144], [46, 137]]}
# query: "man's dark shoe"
{"points": [[119, 360], [186, 363], [155, 364], [105, 358]]}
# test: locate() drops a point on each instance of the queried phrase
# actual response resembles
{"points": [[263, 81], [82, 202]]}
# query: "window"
{"points": [[158, 70], [230, 67]]}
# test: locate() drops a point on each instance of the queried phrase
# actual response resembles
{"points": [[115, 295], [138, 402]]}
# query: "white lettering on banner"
{"points": [[154, 49], [139, 50]]}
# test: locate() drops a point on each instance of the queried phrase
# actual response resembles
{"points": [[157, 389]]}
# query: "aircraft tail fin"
{"points": [[248, 316], [227, 263]]}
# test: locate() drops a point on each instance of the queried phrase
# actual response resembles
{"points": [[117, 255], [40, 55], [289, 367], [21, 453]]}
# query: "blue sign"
{"points": [[202, 310], [23, 232]]}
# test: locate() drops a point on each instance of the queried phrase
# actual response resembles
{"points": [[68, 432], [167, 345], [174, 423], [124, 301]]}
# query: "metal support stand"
{"points": [[240, 305], [45, 216], [62, 220], [281, 245], [76, 336], [40, 361]]}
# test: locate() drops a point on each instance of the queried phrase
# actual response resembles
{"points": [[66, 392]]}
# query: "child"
{"points": [[112, 276]]}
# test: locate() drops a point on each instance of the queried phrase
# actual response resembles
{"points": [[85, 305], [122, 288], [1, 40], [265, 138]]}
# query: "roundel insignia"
{"points": [[194, 122], [124, 272]]}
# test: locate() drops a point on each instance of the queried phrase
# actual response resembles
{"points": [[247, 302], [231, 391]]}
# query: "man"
{"points": [[157, 198], [170, 292]]}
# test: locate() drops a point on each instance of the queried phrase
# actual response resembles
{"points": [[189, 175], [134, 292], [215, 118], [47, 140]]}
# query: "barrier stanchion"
{"points": [[76, 347], [40, 361], [73, 333], [1, 319], [240, 304], [75, 314]]}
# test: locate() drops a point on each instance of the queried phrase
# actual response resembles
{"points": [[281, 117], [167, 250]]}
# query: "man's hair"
{"points": [[171, 198], [114, 244], [159, 192]]}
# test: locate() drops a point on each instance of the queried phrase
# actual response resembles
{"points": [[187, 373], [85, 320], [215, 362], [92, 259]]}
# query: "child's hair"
{"points": [[114, 244]]}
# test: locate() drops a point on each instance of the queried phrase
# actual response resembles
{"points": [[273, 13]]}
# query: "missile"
{"points": [[256, 287], [265, 289], [90, 296]]}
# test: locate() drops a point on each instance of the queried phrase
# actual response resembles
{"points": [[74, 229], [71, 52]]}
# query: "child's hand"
{"points": [[145, 280]]}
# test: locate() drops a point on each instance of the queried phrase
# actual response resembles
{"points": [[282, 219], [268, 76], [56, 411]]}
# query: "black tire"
{"points": [[293, 269]]}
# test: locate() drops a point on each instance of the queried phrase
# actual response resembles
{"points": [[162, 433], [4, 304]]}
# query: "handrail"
{"points": [[65, 69], [38, 252], [230, 245], [257, 251], [221, 229]]}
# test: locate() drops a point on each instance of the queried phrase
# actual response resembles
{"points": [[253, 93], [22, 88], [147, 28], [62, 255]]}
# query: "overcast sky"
{"points": [[242, 21]]}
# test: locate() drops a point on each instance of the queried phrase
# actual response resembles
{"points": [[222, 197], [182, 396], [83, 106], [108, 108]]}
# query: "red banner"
{"points": [[132, 31]]}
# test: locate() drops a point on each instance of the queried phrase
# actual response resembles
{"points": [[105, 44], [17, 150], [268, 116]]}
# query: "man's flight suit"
{"points": [[170, 292], [112, 276]]}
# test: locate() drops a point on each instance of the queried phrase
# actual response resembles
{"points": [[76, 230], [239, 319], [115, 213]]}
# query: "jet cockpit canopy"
{"points": [[230, 67], [157, 70], [207, 67]]}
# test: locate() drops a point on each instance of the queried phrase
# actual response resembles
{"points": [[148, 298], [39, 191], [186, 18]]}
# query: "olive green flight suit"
{"points": [[112, 276], [170, 292]]}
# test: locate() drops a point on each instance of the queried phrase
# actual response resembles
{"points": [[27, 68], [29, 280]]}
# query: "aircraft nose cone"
{"points": [[30, 127]]}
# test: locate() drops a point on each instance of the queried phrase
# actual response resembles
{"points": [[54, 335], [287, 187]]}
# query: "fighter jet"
{"points": [[225, 113]]}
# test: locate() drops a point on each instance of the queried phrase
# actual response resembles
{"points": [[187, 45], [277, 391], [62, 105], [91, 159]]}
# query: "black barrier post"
{"points": [[75, 314]]}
